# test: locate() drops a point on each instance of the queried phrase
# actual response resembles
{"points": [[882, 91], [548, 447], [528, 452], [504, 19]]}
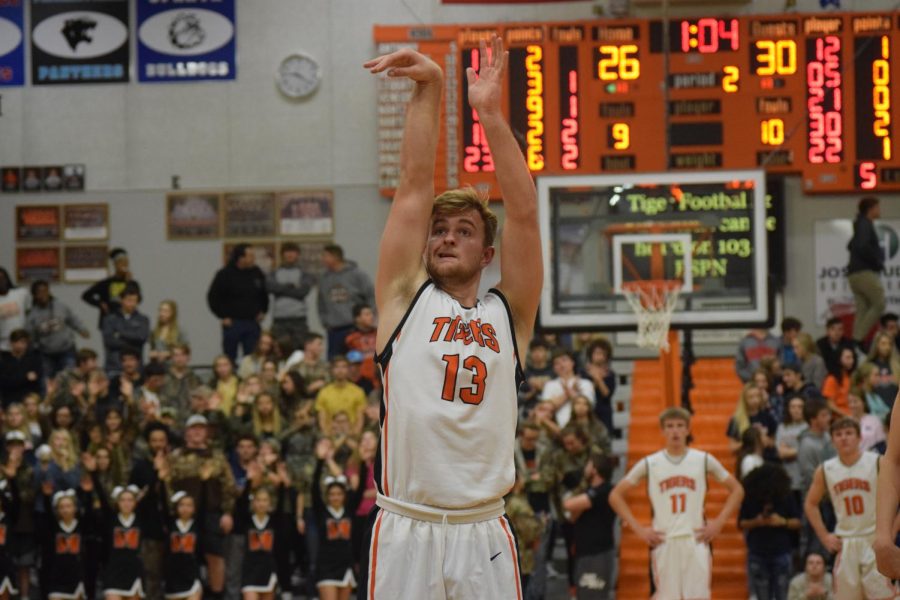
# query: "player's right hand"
{"points": [[406, 62], [887, 556], [652, 537], [832, 543]]}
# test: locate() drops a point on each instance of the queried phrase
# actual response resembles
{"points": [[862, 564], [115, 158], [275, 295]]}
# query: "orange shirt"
{"points": [[837, 392]]}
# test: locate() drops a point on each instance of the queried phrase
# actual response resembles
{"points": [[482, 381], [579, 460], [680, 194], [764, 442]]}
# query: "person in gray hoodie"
{"points": [[341, 286], [814, 449], [290, 286], [52, 326]]}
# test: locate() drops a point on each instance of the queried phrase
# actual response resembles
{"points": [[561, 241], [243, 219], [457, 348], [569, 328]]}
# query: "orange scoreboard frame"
{"points": [[811, 95]]}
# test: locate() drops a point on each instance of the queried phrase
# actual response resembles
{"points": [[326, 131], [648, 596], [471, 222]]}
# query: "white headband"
{"points": [[117, 491], [177, 496], [339, 480], [62, 494]]}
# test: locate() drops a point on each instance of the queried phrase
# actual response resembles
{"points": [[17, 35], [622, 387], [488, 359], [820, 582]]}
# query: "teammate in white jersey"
{"points": [[850, 479], [679, 536], [449, 359]]}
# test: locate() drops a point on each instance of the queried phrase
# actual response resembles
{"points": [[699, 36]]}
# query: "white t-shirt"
{"points": [[12, 314], [677, 488], [554, 388]]}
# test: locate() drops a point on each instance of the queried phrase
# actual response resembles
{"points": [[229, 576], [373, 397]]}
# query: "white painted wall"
{"points": [[243, 134]]}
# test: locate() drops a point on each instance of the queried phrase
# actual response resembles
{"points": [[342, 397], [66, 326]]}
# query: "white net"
{"points": [[653, 305]]}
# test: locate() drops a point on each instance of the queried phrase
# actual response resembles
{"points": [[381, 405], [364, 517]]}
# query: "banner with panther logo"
{"points": [[188, 40], [833, 295], [79, 42], [12, 43]]}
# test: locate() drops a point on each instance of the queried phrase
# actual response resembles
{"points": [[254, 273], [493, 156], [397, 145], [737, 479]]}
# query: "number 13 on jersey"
{"points": [[473, 394]]}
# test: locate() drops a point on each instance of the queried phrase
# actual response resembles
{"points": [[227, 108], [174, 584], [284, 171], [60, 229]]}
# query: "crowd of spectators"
{"points": [[280, 428], [794, 387], [295, 412]]}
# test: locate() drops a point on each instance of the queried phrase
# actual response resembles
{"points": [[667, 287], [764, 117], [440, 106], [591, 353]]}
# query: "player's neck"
{"points": [[850, 458], [466, 293], [676, 450]]}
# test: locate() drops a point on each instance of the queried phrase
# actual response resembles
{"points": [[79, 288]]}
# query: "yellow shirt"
{"points": [[337, 397]]}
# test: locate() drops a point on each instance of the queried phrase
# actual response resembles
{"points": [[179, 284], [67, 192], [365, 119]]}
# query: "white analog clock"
{"points": [[298, 76]]}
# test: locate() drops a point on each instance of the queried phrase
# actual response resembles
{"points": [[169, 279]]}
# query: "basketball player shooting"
{"points": [[449, 359], [887, 519], [679, 536]]}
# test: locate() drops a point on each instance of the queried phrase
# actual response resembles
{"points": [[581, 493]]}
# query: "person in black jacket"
{"points": [[21, 369], [105, 294], [238, 297], [864, 270]]}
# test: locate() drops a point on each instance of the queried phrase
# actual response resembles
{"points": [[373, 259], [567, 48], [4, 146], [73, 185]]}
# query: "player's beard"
{"points": [[451, 274]]}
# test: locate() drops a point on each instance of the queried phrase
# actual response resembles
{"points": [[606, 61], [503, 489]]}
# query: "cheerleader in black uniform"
{"points": [[64, 542], [9, 510], [122, 538], [259, 571], [334, 521], [182, 564]]}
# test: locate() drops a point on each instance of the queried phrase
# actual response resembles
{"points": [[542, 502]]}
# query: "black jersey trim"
{"points": [[385, 356], [520, 373]]}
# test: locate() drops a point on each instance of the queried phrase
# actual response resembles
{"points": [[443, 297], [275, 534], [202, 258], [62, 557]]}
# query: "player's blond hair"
{"points": [[674, 413], [458, 201]]}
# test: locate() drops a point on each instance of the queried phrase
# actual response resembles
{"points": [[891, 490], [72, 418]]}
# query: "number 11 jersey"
{"points": [[677, 488]]}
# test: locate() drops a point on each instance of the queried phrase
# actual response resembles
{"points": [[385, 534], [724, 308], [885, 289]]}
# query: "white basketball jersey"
{"points": [[677, 488], [451, 378], [852, 489]]}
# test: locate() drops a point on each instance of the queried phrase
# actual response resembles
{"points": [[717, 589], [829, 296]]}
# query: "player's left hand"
{"points": [[406, 62], [485, 88], [708, 532]]}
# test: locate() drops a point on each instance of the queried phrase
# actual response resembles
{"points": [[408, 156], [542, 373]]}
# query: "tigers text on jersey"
{"points": [[852, 489], [677, 488], [451, 377]]}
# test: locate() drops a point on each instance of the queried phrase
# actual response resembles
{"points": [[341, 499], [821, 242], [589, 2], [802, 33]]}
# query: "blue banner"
{"points": [[186, 41], [12, 43]]}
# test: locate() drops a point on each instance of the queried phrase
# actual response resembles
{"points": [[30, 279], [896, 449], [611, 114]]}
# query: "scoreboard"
{"points": [[811, 95]]}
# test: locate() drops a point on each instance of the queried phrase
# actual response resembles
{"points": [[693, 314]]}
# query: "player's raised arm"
{"points": [[887, 499], [400, 267], [521, 267]]}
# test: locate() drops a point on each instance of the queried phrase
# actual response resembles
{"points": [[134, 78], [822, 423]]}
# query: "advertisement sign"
{"points": [[79, 42], [12, 43], [191, 40], [833, 295]]}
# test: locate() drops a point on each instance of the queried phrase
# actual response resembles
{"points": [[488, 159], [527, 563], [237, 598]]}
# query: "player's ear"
{"points": [[487, 255]]}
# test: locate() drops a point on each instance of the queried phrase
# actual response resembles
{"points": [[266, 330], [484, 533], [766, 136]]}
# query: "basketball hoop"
{"points": [[653, 302]]}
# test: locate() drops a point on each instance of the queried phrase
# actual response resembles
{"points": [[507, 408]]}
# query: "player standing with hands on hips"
{"points": [[679, 535], [449, 360]]}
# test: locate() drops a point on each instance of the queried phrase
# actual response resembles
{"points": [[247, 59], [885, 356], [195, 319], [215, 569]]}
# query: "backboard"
{"points": [[706, 230]]}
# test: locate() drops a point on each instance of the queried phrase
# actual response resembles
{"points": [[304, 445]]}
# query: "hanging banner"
{"points": [[79, 42], [833, 295], [12, 43], [193, 40]]}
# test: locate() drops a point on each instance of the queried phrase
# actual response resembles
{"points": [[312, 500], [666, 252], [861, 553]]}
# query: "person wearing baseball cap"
{"points": [[199, 467]]}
